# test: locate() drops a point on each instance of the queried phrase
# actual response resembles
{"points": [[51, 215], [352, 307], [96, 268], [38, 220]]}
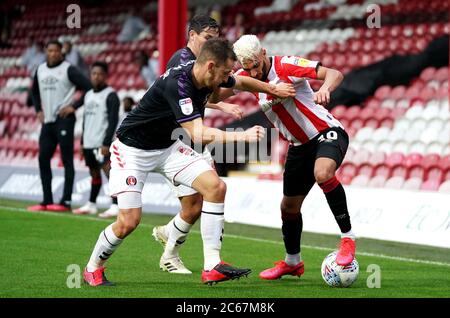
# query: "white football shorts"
{"points": [[181, 190], [179, 163]]}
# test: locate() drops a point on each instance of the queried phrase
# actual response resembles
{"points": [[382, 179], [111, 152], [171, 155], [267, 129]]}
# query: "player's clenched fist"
{"points": [[256, 133]]}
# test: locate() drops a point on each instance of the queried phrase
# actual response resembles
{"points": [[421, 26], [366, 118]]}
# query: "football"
{"points": [[339, 276]]}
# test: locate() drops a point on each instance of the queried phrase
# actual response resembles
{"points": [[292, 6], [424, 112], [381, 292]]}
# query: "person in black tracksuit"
{"points": [[54, 85]]}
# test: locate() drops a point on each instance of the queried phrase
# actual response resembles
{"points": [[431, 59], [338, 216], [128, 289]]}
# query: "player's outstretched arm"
{"points": [[281, 90], [232, 109], [245, 83], [332, 78], [205, 135]]}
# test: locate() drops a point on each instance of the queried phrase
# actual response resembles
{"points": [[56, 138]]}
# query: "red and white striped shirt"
{"points": [[299, 119]]}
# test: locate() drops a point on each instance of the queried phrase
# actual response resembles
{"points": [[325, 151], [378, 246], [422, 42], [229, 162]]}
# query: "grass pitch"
{"points": [[38, 248]]}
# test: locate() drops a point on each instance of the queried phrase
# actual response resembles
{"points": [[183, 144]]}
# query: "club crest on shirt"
{"points": [[131, 181], [186, 106], [186, 151]]}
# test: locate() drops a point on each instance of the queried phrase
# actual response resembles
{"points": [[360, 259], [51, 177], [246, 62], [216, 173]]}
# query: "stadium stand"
{"points": [[400, 134]]}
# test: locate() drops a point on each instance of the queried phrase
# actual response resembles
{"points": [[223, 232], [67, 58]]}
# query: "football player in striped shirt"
{"points": [[318, 143]]}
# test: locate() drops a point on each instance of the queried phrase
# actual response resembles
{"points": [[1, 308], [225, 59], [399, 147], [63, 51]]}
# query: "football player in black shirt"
{"points": [[147, 141]]}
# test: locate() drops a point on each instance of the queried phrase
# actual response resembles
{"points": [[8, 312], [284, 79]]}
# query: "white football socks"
{"points": [[293, 259], [107, 243], [349, 234], [177, 230], [212, 223]]}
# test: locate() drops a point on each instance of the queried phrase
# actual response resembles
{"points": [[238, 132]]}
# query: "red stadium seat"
{"points": [[412, 184], [430, 160], [398, 92], [339, 111], [387, 122], [366, 170], [435, 173], [367, 112], [372, 122], [430, 185], [356, 124], [351, 113], [399, 171], [348, 169], [383, 92], [413, 159], [395, 159], [441, 74], [417, 171], [382, 170], [447, 174], [373, 103], [444, 162], [345, 180]]}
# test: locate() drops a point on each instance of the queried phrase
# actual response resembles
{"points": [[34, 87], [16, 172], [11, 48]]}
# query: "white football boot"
{"points": [[159, 234], [113, 211], [173, 265], [88, 208]]}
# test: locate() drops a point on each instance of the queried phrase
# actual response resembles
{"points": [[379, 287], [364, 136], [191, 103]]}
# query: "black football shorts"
{"points": [[94, 159], [298, 177]]}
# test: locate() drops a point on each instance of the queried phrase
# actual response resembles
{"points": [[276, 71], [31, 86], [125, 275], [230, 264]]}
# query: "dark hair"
{"points": [[54, 42], [201, 22], [100, 64], [219, 50], [130, 99]]}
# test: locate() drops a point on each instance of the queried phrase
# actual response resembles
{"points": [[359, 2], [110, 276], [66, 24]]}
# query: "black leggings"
{"points": [[60, 132]]}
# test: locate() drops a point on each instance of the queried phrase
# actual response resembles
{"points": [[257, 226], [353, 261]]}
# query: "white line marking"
{"points": [[329, 249]]}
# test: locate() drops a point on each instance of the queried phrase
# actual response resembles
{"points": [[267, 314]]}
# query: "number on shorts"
{"points": [[331, 135]]}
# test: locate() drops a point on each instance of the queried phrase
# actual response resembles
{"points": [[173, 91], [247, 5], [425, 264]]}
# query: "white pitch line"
{"points": [[91, 218]]}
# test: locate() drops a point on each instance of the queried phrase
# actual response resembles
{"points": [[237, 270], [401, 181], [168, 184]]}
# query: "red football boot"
{"points": [[346, 252], [281, 268], [58, 208], [96, 278], [37, 207], [222, 272]]}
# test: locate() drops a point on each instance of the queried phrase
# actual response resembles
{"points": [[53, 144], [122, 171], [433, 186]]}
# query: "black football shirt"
{"points": [[181, 56], [172, 100]]}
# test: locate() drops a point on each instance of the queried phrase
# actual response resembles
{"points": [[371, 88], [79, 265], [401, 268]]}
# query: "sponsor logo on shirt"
{"points": [[49, 80], [301, 62], [186, 106]]}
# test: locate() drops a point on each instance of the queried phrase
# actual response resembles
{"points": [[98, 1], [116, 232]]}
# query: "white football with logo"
{"points": [[339, 276]]}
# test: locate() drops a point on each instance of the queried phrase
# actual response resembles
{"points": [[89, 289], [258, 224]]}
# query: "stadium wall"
{"points": [[397, 215]]}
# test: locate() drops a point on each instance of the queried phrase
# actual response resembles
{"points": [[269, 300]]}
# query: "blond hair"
{"points": [[247, 47]]}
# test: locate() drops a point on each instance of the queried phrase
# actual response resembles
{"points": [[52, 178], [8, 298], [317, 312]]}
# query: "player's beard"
{"points": [[265, 70]]}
